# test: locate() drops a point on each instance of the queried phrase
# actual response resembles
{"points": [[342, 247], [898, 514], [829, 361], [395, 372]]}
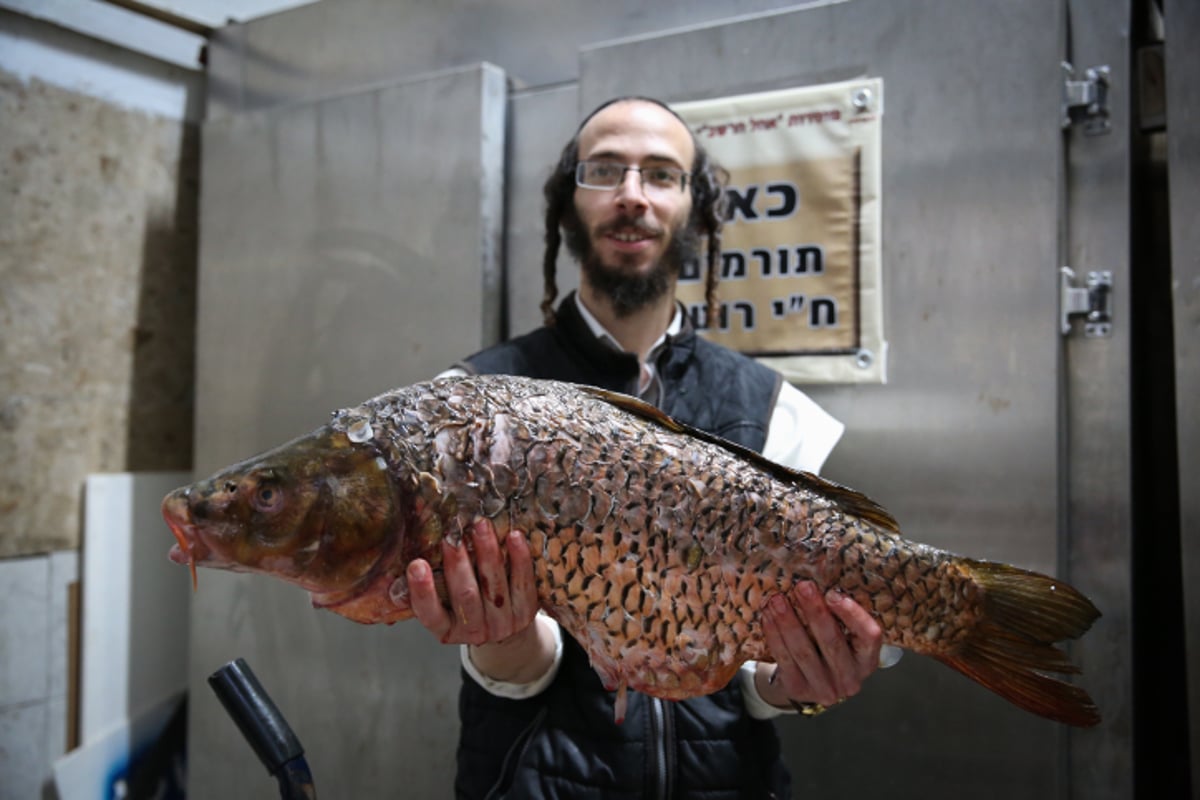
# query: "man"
{"points": [[633, 193]]}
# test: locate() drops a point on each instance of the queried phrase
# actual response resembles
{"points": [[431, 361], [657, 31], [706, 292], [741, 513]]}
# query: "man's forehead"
{"points": [[637, 124]]}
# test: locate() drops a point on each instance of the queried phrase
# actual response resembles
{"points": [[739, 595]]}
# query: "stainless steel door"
{"points": [[963, 444], [340, 238]]}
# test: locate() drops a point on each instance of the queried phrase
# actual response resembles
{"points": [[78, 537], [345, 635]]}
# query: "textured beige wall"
{"points": [[97, 302]]}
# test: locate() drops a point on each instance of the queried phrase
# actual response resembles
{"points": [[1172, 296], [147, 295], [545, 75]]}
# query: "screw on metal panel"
{"points": [[861, 99], [864, 359]]}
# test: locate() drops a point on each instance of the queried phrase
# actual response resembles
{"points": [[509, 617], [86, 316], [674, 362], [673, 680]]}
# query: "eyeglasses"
{"points": [[610, 175]]}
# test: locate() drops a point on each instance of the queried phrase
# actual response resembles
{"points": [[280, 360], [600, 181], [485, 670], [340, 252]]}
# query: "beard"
{"points": [[630, 293]]}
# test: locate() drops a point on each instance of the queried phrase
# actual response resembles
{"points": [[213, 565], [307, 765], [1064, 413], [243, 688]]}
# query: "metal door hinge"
{"points": [[1086, 100], [1093, 301]]}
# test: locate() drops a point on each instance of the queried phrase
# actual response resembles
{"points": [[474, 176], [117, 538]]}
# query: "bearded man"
{"points": [[633, 194]]}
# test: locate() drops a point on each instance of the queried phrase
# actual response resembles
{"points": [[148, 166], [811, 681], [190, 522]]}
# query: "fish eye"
{"points": [[267, 498]]}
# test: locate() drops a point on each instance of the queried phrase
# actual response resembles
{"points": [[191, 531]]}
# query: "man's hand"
{"points": [[491, 606], [824, 647]]}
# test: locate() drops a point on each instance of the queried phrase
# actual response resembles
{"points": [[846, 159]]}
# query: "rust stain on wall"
{"points": [[97, 302]]}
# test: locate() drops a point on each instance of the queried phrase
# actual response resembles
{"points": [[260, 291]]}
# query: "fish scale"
{"points": [[655, 545]]}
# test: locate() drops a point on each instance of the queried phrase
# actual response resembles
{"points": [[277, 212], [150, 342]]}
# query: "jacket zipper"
{"points": [[661, 746]]}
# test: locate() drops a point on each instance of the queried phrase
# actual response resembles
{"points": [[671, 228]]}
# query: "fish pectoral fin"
{"points": [[369, 608]]}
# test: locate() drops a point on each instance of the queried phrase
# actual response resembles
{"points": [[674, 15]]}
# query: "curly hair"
{"points": [[707, 181]]}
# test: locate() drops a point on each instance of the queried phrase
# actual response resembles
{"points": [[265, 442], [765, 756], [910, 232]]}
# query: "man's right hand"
{"points": [[491, 606]]}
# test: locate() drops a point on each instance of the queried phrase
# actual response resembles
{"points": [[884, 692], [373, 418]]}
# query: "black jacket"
{"points": [[564, 743]]}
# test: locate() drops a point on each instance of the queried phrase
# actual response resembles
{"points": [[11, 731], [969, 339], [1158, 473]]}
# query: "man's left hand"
{"points": [[824, 647]]}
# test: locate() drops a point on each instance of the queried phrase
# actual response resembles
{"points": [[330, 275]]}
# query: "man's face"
{"points": [[634, 237]]}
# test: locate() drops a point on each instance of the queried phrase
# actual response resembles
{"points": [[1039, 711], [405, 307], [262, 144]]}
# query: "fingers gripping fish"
{"points": [[655, 545]]}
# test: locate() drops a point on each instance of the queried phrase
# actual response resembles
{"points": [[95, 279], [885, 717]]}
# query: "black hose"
{"points": [[256, 716]]}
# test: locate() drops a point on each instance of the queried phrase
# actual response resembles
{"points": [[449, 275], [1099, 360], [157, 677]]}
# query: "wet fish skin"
{"points": [[655, 545], [317, 512]]}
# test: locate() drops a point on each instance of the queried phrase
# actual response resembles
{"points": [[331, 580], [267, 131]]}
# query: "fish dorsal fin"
{"points": [[847, 499]]}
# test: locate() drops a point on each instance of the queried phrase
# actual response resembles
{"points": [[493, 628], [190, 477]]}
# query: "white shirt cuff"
{"points": [[761, 709], [755, 706], [518, 691]]}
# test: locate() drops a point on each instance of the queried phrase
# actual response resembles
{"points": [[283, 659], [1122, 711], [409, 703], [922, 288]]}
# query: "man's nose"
{"points": [[629, 191]]}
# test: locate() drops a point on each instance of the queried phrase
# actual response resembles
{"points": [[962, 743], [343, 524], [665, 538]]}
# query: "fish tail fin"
{"points": [[1012, 648]]}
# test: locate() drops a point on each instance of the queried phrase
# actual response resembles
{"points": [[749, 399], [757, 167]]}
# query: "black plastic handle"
{"points": [[264, 727]]}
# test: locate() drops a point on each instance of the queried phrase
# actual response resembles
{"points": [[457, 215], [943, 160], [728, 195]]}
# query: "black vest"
{"points": [[705, 385], [564, 743]]}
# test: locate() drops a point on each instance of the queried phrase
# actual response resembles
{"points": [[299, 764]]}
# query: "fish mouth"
{"points": [[189, 548]]}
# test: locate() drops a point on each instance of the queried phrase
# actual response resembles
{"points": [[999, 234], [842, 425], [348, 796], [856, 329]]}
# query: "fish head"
{"points": [[319, 511]]}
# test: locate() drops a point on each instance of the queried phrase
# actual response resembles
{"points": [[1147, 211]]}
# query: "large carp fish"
{"points": [[654, 544]]}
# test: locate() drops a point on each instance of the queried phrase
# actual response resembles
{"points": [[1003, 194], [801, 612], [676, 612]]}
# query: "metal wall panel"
{"points": [[1183, 156], [338, 240], [330, 46], [962, 443], [541, 123]]}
